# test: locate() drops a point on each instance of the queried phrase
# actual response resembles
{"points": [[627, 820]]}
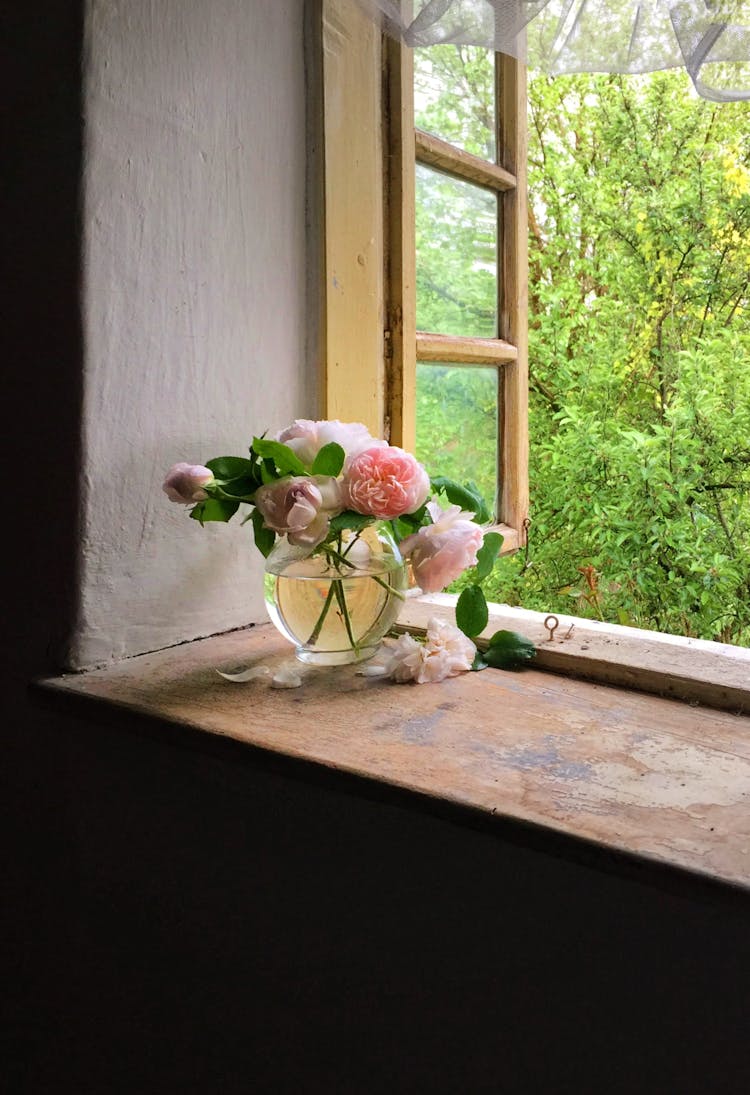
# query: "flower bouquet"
{"points": [[339, 517]]}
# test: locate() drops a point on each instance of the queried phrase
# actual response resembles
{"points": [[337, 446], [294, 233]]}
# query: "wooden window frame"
{"points": [[364, 336], [369, 344]]}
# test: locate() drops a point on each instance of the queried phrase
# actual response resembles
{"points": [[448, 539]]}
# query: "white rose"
{"points": [[306, 438]]}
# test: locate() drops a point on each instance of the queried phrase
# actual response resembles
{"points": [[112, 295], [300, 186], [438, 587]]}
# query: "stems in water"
{"points": [[321, 619]]}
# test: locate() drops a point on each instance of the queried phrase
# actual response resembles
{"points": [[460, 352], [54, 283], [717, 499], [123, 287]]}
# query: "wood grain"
{"points": [[354, 249], [401, 278], [450, 160], [464, 350], [693, 670], [624, 772], [513, 294]]}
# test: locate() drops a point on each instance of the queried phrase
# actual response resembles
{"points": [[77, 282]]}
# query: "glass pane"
{"points": [[457, 423], [456, 233], [454, 96]]}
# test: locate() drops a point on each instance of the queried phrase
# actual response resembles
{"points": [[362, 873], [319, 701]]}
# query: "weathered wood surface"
{"points": [[461, 350], [695, 670], [631, 773], [513, 293], [354, 250], [454, 161]]}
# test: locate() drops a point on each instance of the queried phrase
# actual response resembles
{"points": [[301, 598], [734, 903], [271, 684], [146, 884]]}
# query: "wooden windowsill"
{"points": [[693, 670], [619, 779]]}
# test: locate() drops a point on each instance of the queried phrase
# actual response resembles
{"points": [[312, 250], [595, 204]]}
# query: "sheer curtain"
{"points": [[710, 38]]}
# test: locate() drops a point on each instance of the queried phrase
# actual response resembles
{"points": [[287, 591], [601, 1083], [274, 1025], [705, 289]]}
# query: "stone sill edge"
{"points": [[696, 671]]}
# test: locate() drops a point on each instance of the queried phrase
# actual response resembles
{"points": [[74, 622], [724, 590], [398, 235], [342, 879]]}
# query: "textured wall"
{"points": [[194, 299]]}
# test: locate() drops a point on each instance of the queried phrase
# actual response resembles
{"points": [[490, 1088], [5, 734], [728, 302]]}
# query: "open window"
{"points": [[386, 351]]}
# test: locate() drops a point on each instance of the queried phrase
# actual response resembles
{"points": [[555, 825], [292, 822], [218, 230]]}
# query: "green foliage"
{"points": [[508, 650], [330, 460], [468, 496], [351, 520], [639, 317], [471, 611], [214, 509], [265, 538], [448, 396], [283, 460], [487, 555]]}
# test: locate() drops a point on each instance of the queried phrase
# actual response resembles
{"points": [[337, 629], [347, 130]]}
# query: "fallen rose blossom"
{"points": [[445, 639], [446, 652]]}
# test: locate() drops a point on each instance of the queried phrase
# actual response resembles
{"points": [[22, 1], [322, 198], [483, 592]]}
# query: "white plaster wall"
{"points": [[194, 300]]}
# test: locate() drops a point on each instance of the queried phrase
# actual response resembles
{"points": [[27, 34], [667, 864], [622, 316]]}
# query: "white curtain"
{"points": [[710, 38]]}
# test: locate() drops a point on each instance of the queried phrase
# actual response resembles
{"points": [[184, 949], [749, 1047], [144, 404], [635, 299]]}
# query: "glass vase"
{"points": [[337, 606]]}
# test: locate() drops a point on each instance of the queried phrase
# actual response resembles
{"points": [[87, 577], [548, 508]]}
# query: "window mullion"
{"points": [[513, 291], [400, 257]]}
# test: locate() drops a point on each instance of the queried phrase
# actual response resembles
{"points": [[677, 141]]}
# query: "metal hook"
{"points": [[551, 623]]}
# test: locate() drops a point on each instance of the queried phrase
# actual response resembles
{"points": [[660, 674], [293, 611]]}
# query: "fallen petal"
{"points": [[286, 678], [246, 674], [373, 671]]}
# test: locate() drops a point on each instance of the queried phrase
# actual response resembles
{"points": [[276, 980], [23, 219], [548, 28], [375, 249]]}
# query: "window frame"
{"points": [[361, 113], [371, 346]]}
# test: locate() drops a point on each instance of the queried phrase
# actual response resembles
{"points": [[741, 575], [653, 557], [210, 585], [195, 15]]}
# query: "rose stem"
{"points": [[317, 629], [341, 598], [351, 545], [389, 589]]}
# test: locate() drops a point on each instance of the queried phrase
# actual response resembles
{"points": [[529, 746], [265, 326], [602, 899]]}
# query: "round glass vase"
{"points": [[336, 606]]}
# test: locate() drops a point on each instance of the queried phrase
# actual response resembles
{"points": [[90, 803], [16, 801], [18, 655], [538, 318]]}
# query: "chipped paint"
{"points": [[548, 758]]}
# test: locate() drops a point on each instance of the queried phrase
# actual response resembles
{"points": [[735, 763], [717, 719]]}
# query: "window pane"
{"points": [[457, 423], [454, 96], [456, 234]]}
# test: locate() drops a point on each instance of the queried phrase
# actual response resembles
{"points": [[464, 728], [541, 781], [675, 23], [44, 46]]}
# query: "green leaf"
{"points": [[265, 538], [230, 467], [471, 611], [468, 496], [268, 472], [286, 461], [351, 520], [243, 488], [330, 460], [214, 509], [487, 554], [479, 663], [409, 523], [509, 650]]}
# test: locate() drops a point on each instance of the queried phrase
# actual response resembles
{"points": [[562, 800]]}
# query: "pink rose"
{"points": [[185, 482], [307, 438], [440, 552], [385, 482], [299, 507], [445, 652]]}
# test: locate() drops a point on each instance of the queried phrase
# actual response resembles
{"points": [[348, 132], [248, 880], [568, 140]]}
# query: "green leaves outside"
{"points": [[640, 397]]}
